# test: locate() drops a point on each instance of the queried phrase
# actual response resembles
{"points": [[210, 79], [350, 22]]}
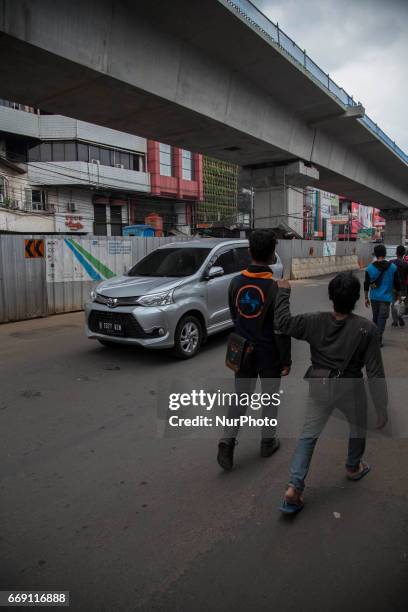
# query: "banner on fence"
{"points": [[86, 259]]}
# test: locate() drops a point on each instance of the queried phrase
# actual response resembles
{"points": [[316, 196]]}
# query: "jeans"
{"points": [[245, 382], [354, 408], [381, 312]]}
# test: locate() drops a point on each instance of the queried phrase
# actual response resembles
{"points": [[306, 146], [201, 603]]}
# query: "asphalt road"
{"points": [[94, 502]]}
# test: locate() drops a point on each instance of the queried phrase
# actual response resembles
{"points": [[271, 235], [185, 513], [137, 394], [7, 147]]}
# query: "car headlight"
{"points": [[92, 295], [156, 299]]}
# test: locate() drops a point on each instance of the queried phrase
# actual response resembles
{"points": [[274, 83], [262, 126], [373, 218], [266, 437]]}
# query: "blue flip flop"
{"points": [[290, 508], [360, 475]]}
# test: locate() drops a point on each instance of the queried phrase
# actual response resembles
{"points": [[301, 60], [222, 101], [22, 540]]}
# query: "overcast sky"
{"points": [[363, 44]]}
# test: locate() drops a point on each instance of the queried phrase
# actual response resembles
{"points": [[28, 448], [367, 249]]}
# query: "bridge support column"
{"points": [[278, 195], [395, 226]]}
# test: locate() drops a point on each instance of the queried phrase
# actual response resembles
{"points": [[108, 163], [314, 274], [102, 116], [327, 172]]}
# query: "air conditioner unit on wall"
{"points": [[119, 166], [71, 207], [95, 161]]}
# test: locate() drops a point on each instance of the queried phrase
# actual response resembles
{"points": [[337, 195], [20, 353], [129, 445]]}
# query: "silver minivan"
{"points": [[174, 297]]}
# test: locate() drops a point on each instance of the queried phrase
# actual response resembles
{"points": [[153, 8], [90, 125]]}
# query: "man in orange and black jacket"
{"points": [[271, 357]]}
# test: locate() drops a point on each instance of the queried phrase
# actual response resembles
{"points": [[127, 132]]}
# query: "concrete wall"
{"points": [[19, 221], [309, 258]]}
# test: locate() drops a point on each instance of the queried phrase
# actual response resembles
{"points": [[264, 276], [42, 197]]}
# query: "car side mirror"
{"points": [[215, 271]]}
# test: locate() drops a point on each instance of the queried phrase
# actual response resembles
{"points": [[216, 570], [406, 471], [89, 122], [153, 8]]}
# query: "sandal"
{"points": [[362, 471], [292, 506]]}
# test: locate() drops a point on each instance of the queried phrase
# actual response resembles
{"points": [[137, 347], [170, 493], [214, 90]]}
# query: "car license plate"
{"points": [[110, 327]]}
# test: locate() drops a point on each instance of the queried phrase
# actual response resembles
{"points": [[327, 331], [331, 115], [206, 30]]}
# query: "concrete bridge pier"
{"points": [[396, 226], [278, 195]]}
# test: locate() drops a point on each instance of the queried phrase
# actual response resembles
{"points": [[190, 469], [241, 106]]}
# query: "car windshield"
{"points": [[177, 261]]}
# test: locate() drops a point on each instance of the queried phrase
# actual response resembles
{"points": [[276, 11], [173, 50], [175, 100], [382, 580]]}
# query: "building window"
{"points": [[187, 162], [46, 152], [83, 152], [166, 160], [39, 199], [138, 162], [122, 160], [106, 157], [36, 199], [3, 190], [71, 150]]}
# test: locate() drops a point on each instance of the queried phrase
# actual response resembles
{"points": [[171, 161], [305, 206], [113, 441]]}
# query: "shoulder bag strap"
{"points": [[380, 277], [361, 333]]}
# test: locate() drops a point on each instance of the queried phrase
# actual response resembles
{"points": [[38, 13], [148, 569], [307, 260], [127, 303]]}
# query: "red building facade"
{"points": [[176, 184]]}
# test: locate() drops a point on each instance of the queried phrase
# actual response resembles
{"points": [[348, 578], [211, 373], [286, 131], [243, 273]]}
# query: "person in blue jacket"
{"points": [[381, 281]]}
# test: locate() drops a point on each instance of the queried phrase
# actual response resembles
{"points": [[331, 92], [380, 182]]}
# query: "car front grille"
{"points": [[121, 325], [114, 302]]}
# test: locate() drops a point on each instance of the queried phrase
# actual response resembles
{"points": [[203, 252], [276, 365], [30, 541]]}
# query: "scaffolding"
{"points": [[220, 192]]}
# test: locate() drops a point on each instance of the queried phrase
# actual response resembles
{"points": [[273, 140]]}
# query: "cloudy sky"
{"points": [[363, 44]]}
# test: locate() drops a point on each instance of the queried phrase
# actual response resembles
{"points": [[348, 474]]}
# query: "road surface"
{"points": [[93, 502]]}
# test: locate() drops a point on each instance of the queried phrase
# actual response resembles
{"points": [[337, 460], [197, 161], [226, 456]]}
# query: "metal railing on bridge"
{"points": [[253, 15]]}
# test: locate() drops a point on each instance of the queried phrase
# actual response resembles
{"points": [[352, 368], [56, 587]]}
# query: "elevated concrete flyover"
{"points": [[195, 74]]}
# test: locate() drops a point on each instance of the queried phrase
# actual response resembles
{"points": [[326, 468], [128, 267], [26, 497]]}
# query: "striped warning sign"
{"points": [[33, 248]]}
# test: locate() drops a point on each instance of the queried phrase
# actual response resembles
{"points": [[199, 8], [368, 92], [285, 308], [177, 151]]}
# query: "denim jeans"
{"points": [[381, 312], [354, 408]]}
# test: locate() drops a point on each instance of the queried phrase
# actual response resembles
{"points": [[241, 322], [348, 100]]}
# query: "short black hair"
{"points": [[380, 250], [344, 292], [262, 243], [400, 251]]}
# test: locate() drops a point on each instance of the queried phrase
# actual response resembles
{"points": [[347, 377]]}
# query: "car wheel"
{"points": [[188, 337]]}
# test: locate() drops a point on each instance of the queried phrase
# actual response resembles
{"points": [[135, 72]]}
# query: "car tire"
{"points": [[188, 337]]}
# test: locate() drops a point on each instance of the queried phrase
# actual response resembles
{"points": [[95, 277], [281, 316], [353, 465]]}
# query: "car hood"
{"points": [[131, 286]]}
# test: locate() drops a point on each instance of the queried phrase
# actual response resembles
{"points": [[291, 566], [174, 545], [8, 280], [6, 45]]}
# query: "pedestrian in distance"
{"points": [[341, 345], [255, 350], [402, 266], [381, 285]]}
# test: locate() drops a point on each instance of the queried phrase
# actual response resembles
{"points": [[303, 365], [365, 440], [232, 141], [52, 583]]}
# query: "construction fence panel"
{"points": [[23, 293]]}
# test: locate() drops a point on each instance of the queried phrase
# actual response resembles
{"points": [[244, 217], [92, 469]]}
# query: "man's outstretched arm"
{"points": [[297, 326]]}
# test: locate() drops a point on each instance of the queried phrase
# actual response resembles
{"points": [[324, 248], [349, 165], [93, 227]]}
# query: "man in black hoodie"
{"points": [[271, 357]]}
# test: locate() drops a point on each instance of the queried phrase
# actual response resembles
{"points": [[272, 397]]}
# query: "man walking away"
{"points": [[270, 358], [380, 284], [341, 344], [402, 266]]}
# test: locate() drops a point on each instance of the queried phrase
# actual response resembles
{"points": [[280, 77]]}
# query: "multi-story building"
{"points": [[59, 174]]}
